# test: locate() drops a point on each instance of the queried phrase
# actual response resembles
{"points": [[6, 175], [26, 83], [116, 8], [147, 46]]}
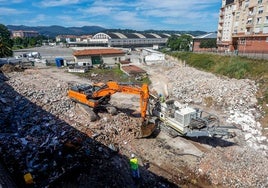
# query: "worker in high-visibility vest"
{"points": [[134, 166], [161, 98]]}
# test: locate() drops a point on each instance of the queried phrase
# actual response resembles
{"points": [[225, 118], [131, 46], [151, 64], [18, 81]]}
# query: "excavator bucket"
{"points": [[148, 127], [147, 130]]}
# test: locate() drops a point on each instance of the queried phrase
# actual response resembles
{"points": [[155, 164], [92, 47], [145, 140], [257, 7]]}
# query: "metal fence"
{"points": [[252, 54]]}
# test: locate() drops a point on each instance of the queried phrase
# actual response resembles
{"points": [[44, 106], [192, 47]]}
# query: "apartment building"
{"points": [[243, 26], [24, 34]]}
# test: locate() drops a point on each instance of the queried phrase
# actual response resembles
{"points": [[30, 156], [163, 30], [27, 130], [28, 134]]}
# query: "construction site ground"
{"points": [[96, 154]]}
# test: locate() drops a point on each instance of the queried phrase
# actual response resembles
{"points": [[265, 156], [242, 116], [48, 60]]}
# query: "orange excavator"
{"points": [[96, 97]]}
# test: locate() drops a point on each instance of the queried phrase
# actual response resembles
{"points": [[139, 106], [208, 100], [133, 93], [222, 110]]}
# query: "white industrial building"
{"points": [[152, 56], [116, 39]]}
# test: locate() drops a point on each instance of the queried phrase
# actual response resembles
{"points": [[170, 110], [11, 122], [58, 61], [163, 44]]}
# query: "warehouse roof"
{"points": [[207, 36], [107, 51], [117, 35]]}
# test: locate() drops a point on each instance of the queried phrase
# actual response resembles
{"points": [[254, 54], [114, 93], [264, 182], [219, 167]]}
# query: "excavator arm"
{"points": [[111, 88], [98, 95]]}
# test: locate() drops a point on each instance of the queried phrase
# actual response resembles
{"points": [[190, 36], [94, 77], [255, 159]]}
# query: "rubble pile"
{"points": [[236, 98], [43, 133], [226, 93], [10, 68], [40, 134], [241, 165], [33, 140], [235, 167], [119, 130]]}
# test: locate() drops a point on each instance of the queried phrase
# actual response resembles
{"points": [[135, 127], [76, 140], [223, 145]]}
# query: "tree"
{"points": [[6, 43], [180, 43], [208, 43], [17, 41]]}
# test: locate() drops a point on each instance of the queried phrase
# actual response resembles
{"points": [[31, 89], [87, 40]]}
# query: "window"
{"points": [[265, 30], [260, 10], [249, 21], [266, 19], [246, 4], [259, 1], [259, 20], [242, 41], [256, 30]]}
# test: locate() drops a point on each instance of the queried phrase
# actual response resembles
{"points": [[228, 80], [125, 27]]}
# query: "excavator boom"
{"points": [[98, 95]]}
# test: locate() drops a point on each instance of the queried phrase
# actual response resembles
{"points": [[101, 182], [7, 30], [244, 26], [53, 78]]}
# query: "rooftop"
{"points": [[207, 36], [107, 51], [132, 69]]}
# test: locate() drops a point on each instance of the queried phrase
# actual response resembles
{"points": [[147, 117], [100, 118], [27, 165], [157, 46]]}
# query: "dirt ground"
{"points": [[164, 161], [174, 159]]}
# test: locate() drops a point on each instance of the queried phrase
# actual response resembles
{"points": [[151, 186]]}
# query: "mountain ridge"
{"points": [[55, 30]]}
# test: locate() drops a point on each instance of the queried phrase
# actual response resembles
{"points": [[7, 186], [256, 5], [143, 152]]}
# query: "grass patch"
{"points": [[113, 74], [237, 69]]}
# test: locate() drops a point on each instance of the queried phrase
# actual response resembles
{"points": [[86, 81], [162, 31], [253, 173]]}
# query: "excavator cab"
{"points": [[98, 95]]}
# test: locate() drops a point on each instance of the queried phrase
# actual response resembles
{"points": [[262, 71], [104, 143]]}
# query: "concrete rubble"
{"points": [[235, 166], [236, 98], [37, 136]]}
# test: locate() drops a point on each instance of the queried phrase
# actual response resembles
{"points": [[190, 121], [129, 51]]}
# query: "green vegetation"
{"points": [[180, 43], [20, 43], [5, 42], [208, 43], [114, 74]]}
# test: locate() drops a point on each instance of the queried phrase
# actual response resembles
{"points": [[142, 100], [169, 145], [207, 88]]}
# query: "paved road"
{"points": [[49, 52]]}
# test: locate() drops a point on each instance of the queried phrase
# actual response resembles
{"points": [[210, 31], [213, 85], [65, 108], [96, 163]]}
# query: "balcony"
{"points": [[249, 25], [251, 14]]}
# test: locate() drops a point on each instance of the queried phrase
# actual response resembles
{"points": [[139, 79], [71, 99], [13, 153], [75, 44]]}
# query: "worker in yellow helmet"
{"points": [[134, 167]]}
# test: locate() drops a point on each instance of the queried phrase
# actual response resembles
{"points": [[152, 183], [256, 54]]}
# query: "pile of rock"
{"points": [[42, 134], [33, 140], [234, 166], [236, 98]]}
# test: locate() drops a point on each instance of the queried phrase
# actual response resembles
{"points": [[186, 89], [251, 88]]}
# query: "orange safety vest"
{"points": [[134, 163]]}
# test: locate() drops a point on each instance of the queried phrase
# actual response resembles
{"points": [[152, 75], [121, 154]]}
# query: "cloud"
{"points": [[97, 11], [6, 2], [52, 3], [129, 20], [170, 8], [38, 19], [147, 14], [135, 14], [11, 11], [69, 20]]}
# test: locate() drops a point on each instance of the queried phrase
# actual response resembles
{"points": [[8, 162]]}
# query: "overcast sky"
{"points": [[114, 14]]}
